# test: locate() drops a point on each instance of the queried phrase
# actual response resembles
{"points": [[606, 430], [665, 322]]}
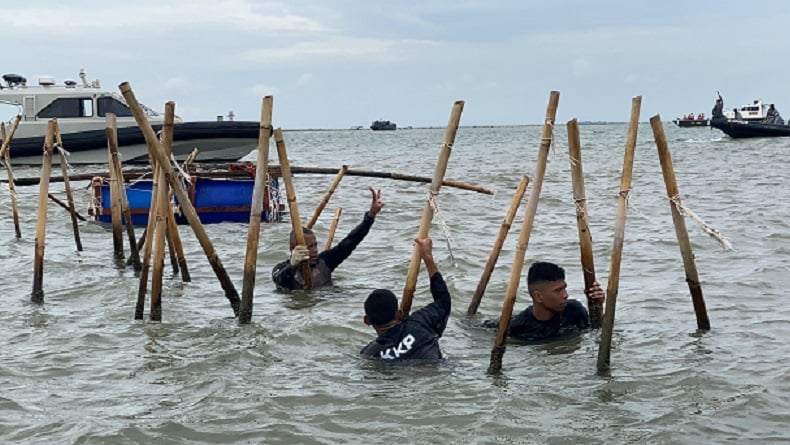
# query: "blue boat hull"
{"points": [[215, 200]]}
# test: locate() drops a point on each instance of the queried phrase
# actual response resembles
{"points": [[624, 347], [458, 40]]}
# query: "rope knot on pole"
{"points": [[707, 228], [437, 217]]}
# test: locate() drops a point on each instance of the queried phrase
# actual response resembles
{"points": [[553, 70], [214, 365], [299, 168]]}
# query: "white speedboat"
{"points": [[755, 111], [80, 109]]}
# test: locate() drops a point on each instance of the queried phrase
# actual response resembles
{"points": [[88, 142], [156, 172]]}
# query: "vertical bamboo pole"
{"points": [[160, 225], [327, 195], [67, 185], [120, 187], [546, 138], [256, 207], [500, 240], [680, 224], [187, 208], [332, 228], [116, 213], [174, 240], [148, 236], [595, 307], [293, 207], [612, 286], [41, 220], [4, 150], [427, 213]]}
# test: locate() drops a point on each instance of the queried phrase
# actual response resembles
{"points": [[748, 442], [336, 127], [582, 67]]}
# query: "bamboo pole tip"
{"points": [[572, 121], [655, 118], [124, 87], [459, 102]]}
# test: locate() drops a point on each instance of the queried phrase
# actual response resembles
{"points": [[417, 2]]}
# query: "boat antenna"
{"points": [[84, 78]]}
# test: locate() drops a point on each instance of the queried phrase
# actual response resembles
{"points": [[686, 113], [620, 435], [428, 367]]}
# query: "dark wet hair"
{"points": [[544, 271], [305, 230], [381, 307]]}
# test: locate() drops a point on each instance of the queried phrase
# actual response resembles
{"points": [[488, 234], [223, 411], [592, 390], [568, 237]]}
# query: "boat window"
{"points": [[112, 105], [68, 107]]}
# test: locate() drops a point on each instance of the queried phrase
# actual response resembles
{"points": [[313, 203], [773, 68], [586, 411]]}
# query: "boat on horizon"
{"points": [[81, 109], [754, 122], [383, 125]]}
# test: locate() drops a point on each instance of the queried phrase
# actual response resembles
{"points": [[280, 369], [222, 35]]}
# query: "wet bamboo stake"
{"points": [[116, 215], [41, 221], [500, 240], [4, 154], [293, 207], [604, 350], [327, 195], [187, 208], [171, 249], [119, 186], [332, 228], [67, 185], [673, 193], [160, 214], [595, 307], [147, 237], [547, 136], [177, 247], [427, 213], [256, 207]]}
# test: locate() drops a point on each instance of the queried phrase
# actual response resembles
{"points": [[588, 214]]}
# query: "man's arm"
{"points": [[283, 276], [336, 255]]}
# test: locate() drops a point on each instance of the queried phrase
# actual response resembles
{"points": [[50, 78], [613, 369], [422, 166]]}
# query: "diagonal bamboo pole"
{"points": [[427, 213], [546, 138], [604, 350], [500, 240], [595, 307], [332, 228], [6, 157], [256, 207], [293, 207], [681, 232], [41, 222], [155, 149], [327, 195], [67, 185]]}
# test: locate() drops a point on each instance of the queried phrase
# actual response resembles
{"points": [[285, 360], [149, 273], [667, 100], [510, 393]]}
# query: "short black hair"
{"points": [[381, 307], [544, 271], [305, 231]]}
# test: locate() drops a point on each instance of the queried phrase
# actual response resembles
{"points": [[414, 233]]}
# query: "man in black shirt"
{"points": [[417, 336], [287, 275], [551, 314]]}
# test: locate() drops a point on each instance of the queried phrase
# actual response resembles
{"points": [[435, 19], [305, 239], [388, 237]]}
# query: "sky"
{"points": [[342, 63]]}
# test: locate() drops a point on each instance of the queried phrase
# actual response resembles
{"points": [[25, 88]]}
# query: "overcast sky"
{"points": [[337, 64]]}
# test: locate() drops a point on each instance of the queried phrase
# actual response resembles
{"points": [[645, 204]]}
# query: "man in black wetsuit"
{"points": [[287, 274], [552, 314], [415, 337]]}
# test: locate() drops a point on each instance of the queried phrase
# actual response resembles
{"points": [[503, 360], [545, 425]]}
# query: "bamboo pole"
{"points": [[332, 228], [673, 193], [67, 185], [275, 171], [147, 237], [4, 154], [612, 286], [57, 201], [256, 207], [327, 195], [427, 213], [186, 206], [119, 185], [160, 225], [293, 207], [174, 240], [500, 240], [498, 351], [116, 213], [41, 221], [595, 307]]}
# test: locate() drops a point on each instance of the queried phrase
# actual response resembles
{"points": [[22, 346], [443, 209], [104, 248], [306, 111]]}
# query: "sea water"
{"points": [[78, 369]]}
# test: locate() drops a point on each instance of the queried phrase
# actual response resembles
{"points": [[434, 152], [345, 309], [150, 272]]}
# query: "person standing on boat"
{"points": [[737, 114], [772, 116], [286, 275], [718, 109], [552, 314], [415, 337]]}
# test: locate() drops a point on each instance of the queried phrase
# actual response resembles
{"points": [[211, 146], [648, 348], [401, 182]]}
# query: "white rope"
{"points": [[437, 217], [715, 234]]}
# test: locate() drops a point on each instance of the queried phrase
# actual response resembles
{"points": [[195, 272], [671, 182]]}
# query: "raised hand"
{"points": [[376, 204]]}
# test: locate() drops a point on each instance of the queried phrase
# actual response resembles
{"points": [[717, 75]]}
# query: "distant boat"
{"points": [[81, 110], [383, 125], [215, 200], [686, 123], [746, 129]]}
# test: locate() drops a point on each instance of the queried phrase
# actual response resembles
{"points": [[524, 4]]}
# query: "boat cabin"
{"points": [[756, 111]]}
